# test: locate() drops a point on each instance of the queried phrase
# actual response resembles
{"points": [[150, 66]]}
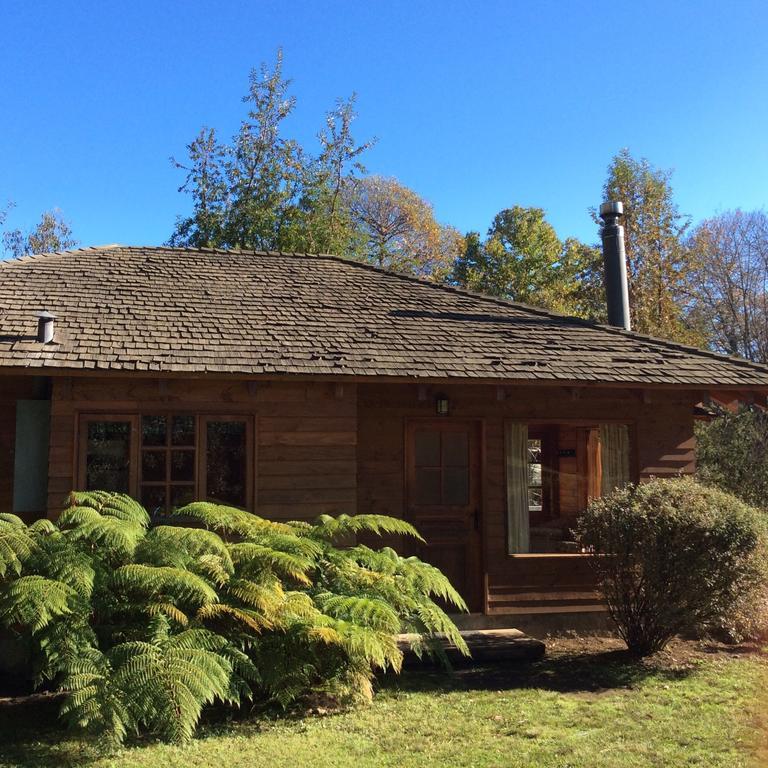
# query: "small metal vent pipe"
{"points": [[45, 326]]}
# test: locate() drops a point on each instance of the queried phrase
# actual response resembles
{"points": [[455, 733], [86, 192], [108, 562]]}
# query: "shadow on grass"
{"points": [[566, 673], [30, 734]]}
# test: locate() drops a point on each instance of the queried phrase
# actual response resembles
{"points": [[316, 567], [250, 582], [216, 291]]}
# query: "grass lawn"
{"points": [[586, 704]]}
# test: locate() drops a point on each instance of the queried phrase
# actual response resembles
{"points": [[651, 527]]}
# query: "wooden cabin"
{"points": [[293, 385]]}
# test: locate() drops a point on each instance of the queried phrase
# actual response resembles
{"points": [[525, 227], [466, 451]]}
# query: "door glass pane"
{"points": [[427, 449], [456, 486], [182, 465], [455, 449], [181, 495], [183, 430], [153, 466], [428, 486], [225, 462], [108, 456], [153, 430], [153, 498]]}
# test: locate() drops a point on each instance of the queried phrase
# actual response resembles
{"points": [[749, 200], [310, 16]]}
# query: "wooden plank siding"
{"points": [[662, 431], [323, 447], [306, 437]]}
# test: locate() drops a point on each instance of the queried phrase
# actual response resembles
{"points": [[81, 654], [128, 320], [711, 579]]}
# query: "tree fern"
{"points": [[143, 627]]}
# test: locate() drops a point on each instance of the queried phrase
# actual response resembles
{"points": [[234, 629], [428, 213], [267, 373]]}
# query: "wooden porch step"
{"points": [[485, 645], [565, 599]]}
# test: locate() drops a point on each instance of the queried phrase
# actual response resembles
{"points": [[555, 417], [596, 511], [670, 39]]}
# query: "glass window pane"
{"points": [[535, 499], [428, 486], [534, 474], [427, 449], [182, 465], [153, 498], [183, 430], [153, 430], [456, 486], [534, 451], [225, 462], [153, 466], [182, 495], [455, 449], [108, 456]]}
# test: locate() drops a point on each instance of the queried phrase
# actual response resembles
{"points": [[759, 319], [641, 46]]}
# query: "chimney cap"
{"points": [[46, 315], [611, 209]]}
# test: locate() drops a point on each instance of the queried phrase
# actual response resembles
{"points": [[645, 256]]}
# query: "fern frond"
{"points": [[43, 527], [375, 648], [119, 537], [249, 619], [332, 529], [167, 681], [268, 598], [33, 602], [228, 520], [251, 557], [92, 702], [119, 506], [170, 611], [365, 611], [178, 547], [16, 545], [158, 581]]}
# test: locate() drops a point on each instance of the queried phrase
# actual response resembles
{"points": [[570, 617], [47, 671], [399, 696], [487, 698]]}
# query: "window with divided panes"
{"points": [[168, 459]]}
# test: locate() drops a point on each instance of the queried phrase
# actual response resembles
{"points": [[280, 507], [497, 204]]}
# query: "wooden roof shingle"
{"points": [[175, 310]]}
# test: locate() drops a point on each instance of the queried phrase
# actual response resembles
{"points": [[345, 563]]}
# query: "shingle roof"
{"points": [[209, 311]]}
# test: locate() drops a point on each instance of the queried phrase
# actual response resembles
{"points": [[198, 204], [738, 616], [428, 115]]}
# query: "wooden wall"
{"points": [[306, 434], [323, 447], [662, 423]]}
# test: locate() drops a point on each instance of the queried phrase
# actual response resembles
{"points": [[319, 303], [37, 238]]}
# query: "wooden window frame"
{"points": [[134, 417]]}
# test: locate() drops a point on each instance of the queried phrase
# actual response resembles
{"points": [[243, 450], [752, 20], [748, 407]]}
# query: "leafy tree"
{"points": [[658, 267], [263, 190], [732, 453], [524, 260], [730, 257], [52, 233], [142, 627], [399, 228]]}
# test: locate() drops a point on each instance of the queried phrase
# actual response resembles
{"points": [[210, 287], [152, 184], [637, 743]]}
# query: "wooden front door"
{"points": [[443, 499]]}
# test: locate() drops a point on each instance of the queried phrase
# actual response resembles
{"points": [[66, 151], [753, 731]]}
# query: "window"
{"points": [[441, 468], [535, 476], [167, 471], [107, 455], [552, 470], [168, 459]]}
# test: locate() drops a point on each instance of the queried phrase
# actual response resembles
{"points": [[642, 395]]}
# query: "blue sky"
{"points": [[477, 106]]}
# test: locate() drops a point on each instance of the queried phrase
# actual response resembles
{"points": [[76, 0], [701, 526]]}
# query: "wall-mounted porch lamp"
{"points": [[441, 405]]}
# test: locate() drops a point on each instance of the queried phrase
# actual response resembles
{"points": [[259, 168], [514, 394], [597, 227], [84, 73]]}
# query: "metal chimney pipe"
{"points": [[615, 265], [45, 326]]}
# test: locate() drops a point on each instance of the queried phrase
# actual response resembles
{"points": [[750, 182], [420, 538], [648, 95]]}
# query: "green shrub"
{"points": [[142, 627], [672, 556]]}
